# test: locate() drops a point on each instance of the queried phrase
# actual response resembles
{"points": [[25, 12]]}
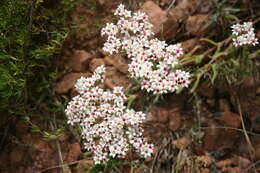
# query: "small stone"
{"points": [[63, 137], [230, 119], [181, 143], [205, 170], [94, 63], [206, 89], [68, 82], [175, 120], [160, 115], [74, 152], [184, 9], [241, 161], [189, 45], [115, 78], [258, 90], [84, 166], [224, 105], [210, 135], [118, 62], [206, 160], [42, 146], [156, 15], [195, 24], [78, 61], [257, 153], [224, 163]]}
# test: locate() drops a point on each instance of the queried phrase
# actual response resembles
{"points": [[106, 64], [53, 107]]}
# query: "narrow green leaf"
{"points": [[210, 41], [215, 72], [195, 84]]}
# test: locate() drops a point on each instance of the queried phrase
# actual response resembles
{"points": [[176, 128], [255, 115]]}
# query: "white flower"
{"points": [[151, 59], [244, 34], [110, 30], [121, 11], [109, 129]]}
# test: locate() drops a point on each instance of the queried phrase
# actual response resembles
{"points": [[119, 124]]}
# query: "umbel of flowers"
{"points": [[244, 34], [108, 128], [152, 61]]}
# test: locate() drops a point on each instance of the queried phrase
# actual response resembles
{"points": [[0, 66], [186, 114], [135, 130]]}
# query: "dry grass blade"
{"points": [[231, 128], [251, 166], [157, 156], [59, 166], [170, 6], [65, 167], [251, 148]]}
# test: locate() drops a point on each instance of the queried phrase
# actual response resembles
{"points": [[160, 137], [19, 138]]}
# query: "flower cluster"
{"points": [[108, 128], [244, 34], [152, 61]]}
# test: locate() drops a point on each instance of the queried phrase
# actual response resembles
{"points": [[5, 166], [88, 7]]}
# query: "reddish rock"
{"points": [[41, 145], [26, 138], [94, 63], [156, 131], [189, 45], [241, 161], [231, 170], [115, 78], [205, 170], [68, 81], [181, 143], [64, 137], [195, 24], [256, 145], [224, 163], [78, 61], [246, 150], [210, 135], [102, 53], [83, 166], [249, 83], [21, 127], [156, 15], [160, 115], [184, 9], [257, 153], [213, 133], [169, 29], [175, 120], [206, 89], [118, 62], [230, 119], [177, 15], [206, 160], [74, 152], [258, 88], [224, 105], [17, 155]]}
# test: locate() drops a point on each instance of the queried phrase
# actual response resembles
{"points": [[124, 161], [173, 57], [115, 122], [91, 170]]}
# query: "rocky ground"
{"points": [[204, 135]]}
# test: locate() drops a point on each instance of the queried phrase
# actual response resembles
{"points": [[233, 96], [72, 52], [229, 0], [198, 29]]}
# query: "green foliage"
{"points": [[223, 12], [31, 36], [110, 166], [223, 62]]}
